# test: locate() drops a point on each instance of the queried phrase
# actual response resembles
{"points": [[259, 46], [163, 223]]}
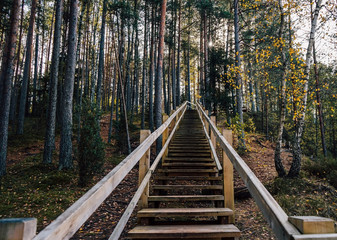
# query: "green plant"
{"points": [[91, 149]]}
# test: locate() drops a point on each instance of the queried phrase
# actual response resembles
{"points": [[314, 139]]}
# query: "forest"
{"points": [[80, 78]]}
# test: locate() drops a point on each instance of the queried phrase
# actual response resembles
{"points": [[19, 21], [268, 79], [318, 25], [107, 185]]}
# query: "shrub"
{"points": [[91, 149]]}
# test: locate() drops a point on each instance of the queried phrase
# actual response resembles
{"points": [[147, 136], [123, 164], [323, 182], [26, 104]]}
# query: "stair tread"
{"points": [[192, 164], [183, 170], [177, 198], [200, 178], [185, 231], [219, 187], [171, 212]]}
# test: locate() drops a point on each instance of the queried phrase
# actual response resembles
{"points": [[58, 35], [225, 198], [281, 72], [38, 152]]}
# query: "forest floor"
{"points": [[33, 189]]}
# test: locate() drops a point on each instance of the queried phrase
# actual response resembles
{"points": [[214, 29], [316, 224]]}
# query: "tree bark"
{"points": [[101, 58], [277, 154], [6, 76], [49, 143], [159, 72], [26, 71], [65, 160], [152, 56], [144, 69], [178, 57], [238, 66]]}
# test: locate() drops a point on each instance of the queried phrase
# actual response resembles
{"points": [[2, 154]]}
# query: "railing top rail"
{"points": [[71, 220], [213, 148], [273, 213]]}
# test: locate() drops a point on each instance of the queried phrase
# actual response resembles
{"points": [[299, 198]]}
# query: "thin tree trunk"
{"points": [[65, 160], [101, 58], [319, 102], [36, 62], [297, 151], [178, 57], [49, 143], [15, 86], [277, 154], [174, 21], [144, 69], [152, 56], [26, 71], [238, 65], [6, 76], [159, 72]]}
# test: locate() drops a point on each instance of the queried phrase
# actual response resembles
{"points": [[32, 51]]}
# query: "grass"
{"points": [[305, 196]]}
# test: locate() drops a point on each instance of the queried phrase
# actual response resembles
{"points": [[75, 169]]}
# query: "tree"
{"points": [[6, 76], [26, 71], [297, 152], [159, 73], [65, 160], [49, 143]]}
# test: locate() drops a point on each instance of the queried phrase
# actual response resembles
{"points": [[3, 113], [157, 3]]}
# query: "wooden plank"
{"points": [[179, 198], [196, 178], [327, 236], [272, 211], [189, 159], [313, 224], [184, 170], [176, 187], [72, 219], [228, 180], [192, 164], [144, 164], [185, 231], [212, 136], [185, 212]]}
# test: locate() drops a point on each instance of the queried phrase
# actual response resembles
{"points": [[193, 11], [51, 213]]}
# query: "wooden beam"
{"points": [[144, 165], [17, 228], [213, 139], [313, 224], [228, 184]]}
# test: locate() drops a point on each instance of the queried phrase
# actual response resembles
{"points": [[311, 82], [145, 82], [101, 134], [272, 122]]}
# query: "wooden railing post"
{"points": [[166, 133], [212, 135], [206, 122], [17, 228], [227, 166], [144, 165]]}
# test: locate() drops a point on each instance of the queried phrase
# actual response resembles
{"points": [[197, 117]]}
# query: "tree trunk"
{"points": [[277, 154], [319, 102], [297, 151], [36, 63], [178, 57], [159, 72], [238, 66], [26, 71], [14, 96], [49, 143], [65, 160], [152, 56], [101, 59], [174, 21], [144, 69], [6, 76]]}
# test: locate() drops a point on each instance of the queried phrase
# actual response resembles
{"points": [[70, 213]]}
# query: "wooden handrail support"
{"points": [[144, 165], [72, 219], [273, 213]]}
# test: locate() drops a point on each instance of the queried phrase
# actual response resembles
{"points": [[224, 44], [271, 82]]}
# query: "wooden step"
{"points": [[177, 159], [185, 232], [195, 178], [182, 154], [194, 170], [185, 164], [189, 198], [189, 150], [179, 187], [184, 212]]}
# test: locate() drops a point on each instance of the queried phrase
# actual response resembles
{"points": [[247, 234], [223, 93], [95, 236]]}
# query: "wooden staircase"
{"points": [[186, 198]]}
